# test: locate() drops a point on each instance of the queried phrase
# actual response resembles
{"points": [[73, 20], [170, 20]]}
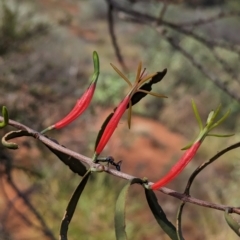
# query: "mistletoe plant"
{"points": [[137, 90]]}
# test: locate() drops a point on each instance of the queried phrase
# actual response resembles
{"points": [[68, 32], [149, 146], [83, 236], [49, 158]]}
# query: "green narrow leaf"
{"points": [[211, 117], [119, 217], [216, 113], [220, 120], [100, 133], [157, 78], [11, 135], [129, 114], [232, 223], [159, 215], [179, 221], [74, 164], [5, 117], [96, 66], [196, 113], [72, 206]]}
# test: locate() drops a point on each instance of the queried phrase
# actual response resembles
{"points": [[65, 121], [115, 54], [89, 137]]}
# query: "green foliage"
{"points": [[160, 215], [13, 30], [110, 89], [233, 224], [72, 206]]}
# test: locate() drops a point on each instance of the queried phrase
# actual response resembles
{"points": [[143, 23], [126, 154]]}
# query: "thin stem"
{"points": [[113, 36]]}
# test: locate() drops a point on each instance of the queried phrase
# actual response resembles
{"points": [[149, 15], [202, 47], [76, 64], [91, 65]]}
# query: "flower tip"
{"points": [[5, 117], [5, 114], [96, 62], [210, 117]]}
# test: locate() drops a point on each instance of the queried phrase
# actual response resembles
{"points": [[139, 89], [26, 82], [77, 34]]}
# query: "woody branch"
{"points": [[84, 159]]}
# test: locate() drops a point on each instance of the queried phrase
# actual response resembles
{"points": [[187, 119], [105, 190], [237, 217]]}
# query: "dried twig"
{"points": [[162, 12], [113, 36], [208, 20], [215, 79], [210, 43]]}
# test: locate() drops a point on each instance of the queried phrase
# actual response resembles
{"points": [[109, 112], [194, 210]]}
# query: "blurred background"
{"points": [[45, 65]]}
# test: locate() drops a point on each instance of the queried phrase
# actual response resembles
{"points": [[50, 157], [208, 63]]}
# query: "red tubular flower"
{"points": [[78, 109], [83, 102], [192, 149], [178, 167], [112, 124], [119, 111]]}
